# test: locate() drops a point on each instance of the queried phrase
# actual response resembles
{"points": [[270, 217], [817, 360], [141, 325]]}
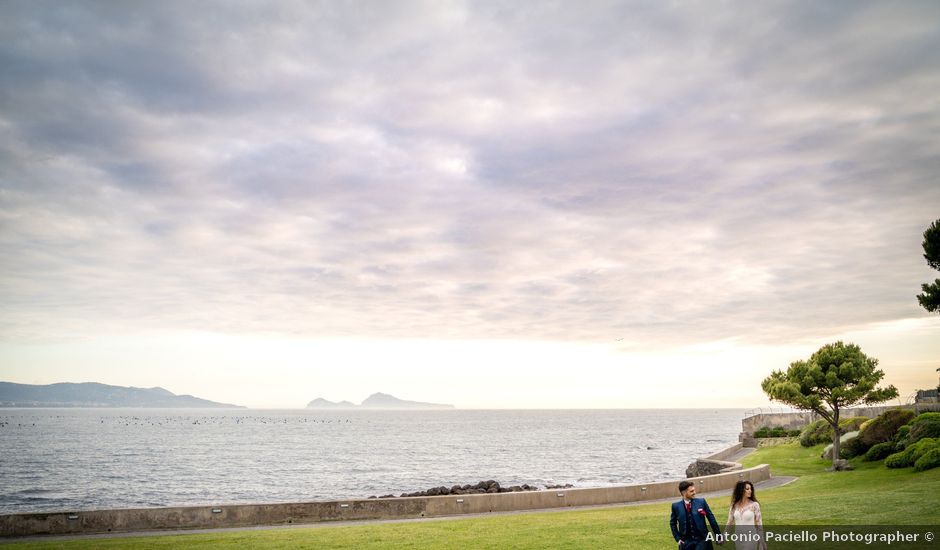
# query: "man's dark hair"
{"points": [[683, 485]]}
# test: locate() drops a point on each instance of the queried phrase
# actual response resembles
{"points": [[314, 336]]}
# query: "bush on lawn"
{"points": [[779, 431], [810, 433], [912, 453], [880, 451], [926, 425], [820, 432], [931, 459], [884, 427], [852, 424], [853, 447], [902, 435]]}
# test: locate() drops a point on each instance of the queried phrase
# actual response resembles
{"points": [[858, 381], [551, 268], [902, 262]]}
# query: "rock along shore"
{"points": [[489, 486]]}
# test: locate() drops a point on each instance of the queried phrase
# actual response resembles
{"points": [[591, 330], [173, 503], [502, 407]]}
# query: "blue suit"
{"points": [[699, 530]]}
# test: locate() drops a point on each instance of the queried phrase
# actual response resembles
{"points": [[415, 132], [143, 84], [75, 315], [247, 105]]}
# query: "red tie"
{"points": [[688, 507]]}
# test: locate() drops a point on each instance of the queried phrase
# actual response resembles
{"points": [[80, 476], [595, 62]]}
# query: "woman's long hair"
{"points": [[738, 494]]}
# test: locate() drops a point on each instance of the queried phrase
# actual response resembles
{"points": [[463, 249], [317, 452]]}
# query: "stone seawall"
{"points": [[245, 515], [725, 454], [717, 463]]}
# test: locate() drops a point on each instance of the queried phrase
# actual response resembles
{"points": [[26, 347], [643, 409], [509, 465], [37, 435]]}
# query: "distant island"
{"points": [[376, 401], [92, 394]]}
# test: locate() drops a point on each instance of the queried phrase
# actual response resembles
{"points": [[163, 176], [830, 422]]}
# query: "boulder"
{"points": [[842, 465], [827, 452]]}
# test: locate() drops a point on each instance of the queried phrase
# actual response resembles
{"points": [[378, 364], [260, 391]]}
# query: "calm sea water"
{"points": [[81, 459]]}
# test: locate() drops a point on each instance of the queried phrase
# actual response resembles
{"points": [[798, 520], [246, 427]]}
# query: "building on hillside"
{"points": [[926, 396]]}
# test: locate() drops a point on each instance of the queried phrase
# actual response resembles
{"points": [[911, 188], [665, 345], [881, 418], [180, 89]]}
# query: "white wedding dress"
{"points": [[748, 527]]}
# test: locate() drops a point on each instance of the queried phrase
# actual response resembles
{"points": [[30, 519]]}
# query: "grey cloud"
{"points": [[472, 170]]}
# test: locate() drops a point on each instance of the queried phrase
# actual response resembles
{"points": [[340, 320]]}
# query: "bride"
{"points": [[746, 517]]}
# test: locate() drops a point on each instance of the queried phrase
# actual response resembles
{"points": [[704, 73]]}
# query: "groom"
{"points": [[688, 520]]}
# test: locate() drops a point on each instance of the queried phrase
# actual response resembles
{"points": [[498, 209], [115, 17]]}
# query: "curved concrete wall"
{"points": [[726, 453], [207, 517]]}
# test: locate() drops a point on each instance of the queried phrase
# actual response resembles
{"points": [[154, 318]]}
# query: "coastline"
{"points": [[399, 508], [269, 457]]}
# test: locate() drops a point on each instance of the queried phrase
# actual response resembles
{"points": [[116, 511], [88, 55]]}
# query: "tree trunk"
{"points": [[836, 437]]}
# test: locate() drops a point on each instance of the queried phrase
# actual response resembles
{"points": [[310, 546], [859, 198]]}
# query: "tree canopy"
{"points": [[836, 376], [930, 298]]}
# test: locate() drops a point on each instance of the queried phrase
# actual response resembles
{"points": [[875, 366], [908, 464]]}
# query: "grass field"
{"points": [[871, 494]]}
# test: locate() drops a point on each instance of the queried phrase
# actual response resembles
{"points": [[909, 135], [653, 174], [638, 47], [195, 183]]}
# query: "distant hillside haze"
{"points": [[93, 394], [376, 401], [320, 403], [385, 401]]}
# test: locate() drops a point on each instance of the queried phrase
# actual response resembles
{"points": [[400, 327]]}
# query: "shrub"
{"points": [[884, 427], [779, 431], [930, 459], [821, 432], [794, 433], [912, 453], [851, 424], [898, 460], [853, 447], [901, 436], [808, 436], [920, 448], [924, 426], [880, 451]]}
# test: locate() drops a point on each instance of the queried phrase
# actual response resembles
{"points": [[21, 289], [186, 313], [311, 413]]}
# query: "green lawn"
{"points": [[871, 494]]}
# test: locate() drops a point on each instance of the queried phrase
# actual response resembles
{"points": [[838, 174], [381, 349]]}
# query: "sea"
{"points": [[56, 460]]}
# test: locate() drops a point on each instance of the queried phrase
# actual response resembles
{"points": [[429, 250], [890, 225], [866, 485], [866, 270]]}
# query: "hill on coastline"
{"points": [[93, 394], [376, 401]]}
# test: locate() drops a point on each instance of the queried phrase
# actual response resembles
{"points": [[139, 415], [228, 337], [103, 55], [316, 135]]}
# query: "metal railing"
{"points": [[770, 410]]}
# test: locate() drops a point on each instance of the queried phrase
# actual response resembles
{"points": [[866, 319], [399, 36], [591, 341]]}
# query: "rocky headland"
{"points": [[93, 394]]}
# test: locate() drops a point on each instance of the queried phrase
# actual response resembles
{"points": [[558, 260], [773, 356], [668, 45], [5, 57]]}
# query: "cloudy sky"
{"points": [[491, 204]]}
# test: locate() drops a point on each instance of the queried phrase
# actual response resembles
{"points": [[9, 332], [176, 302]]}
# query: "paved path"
{"points": [[770, 483], [741, 454]]}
